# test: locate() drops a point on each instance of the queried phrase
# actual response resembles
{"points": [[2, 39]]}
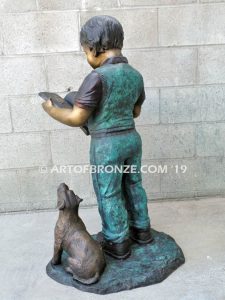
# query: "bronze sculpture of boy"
{"points": [[109, 99]]}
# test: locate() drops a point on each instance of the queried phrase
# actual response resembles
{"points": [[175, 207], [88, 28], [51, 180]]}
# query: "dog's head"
{"points": [[67, 198]]}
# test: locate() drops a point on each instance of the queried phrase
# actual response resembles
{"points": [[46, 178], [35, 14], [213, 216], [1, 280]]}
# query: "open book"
{"points": [[60, 102]]}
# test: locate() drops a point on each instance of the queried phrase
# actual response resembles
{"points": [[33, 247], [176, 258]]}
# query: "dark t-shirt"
{"points": [[90, 91]]}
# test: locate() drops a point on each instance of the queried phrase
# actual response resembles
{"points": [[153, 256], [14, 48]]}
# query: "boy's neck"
{"points": [[109, 53]]}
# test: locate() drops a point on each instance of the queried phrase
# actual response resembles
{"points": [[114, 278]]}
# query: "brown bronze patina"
{"points": [[86, 260]]}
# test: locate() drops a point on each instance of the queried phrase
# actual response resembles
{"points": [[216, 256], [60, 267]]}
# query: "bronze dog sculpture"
{"points": [[86, 260]]}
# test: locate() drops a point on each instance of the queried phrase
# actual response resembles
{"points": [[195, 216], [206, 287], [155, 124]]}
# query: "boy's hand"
{"points": [[137, 111], [73, 117], [47, 105]]}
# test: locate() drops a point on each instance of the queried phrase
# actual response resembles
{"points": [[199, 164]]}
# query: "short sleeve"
{"points": [[90, 92], [141, 97]]}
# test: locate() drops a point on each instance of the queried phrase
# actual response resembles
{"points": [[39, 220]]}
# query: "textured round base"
{"points": [[148, 264]]}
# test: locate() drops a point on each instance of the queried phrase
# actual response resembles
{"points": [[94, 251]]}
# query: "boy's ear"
{"points": [[94, 52]]}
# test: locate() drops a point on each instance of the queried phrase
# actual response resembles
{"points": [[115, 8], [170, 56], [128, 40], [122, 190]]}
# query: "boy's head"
{"points": [[99, 34]]}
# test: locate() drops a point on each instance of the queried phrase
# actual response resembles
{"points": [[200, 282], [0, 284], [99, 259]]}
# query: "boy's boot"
{"points": [[116, 250], [141, 236]]}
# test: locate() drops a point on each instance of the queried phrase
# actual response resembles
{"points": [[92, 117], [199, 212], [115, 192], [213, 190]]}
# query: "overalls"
{"points": [[122, 201]]}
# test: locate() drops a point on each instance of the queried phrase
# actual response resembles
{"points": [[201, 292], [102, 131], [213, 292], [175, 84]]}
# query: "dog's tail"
{"points": [[87, 281]]}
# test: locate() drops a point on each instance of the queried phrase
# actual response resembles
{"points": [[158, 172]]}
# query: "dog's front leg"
{"points": [[56, 260], [59, 232]]}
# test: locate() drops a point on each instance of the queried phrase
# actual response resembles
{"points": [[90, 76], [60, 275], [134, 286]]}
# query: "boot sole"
{"points": [[141, 241], [117, 256]]}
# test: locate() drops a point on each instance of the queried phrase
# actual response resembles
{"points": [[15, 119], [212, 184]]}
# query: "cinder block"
{"points": [[191, 25], [59, 4], [37, 187], [211, 193], [10, 6], [171, 195], [40, 33], [210, 174], [13, 207], [22, 34], [175, 180], [9, 188], [5, 124], [151, 176], [150, 108], [170, 141], [28, 115], [80, 183], [1, 40], [65, 71], [209, 1], [100, 4], [165, 67], [24, 150], [178, 105], [155, 2], [203, 174], [22, 75], [60, 31], [211, 64], [212, 102], [137, 32], [210, 139], [70, 147]]}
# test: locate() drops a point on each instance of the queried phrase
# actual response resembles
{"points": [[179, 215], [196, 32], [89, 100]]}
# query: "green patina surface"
{"points": [[148, 264], [122, 201], [122, 85]]}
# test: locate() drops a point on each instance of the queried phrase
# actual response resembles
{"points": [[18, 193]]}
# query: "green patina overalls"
{"points": [[122, 201]]}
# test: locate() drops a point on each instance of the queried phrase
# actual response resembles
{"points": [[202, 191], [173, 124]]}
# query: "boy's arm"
{"points": [[86, 101], [74, 117]]}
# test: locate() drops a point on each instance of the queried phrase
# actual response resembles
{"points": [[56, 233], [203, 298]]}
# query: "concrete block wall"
{"points": [[178, 46]]}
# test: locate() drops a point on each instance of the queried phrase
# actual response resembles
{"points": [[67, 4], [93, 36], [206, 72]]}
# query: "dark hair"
{"points": [[101, 33]]}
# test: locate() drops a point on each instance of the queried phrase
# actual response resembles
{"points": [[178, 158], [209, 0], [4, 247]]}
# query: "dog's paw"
{"points": [[55, 262]]}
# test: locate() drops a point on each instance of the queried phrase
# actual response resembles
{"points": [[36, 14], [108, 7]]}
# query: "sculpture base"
{"points": [[148, 264]]}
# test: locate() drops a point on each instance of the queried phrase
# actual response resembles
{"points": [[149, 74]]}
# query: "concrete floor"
{"points": [[198, 227]]}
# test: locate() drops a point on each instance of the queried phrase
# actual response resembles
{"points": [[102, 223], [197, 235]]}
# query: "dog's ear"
{"points": [[61, 203], [62, 196]]}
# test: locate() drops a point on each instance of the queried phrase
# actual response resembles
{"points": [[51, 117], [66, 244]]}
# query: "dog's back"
{"points": [[86, 258]]}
